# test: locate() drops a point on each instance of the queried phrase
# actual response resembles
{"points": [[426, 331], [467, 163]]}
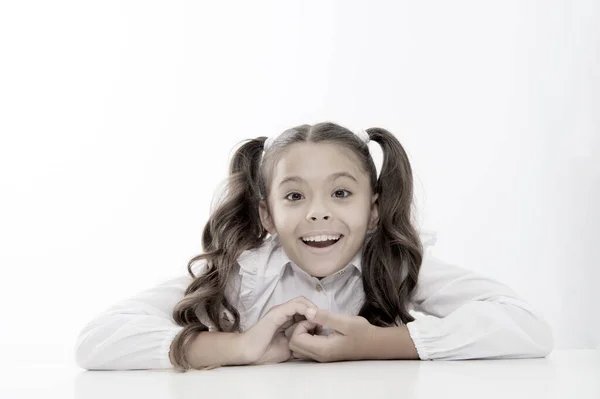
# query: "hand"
{"points": [[350, 339], [266, 341]]}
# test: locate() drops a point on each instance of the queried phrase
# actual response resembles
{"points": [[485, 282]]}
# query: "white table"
{"points": [[564, 374]]}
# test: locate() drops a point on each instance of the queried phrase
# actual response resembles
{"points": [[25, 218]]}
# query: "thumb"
{"points": [[325, 318], [311, 314]]}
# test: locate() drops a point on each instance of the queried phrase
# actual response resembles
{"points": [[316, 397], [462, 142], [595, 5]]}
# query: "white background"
{"points": [[118, 120]]}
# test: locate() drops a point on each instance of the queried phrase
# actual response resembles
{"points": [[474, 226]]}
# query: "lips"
{"points": [[324, 249]]}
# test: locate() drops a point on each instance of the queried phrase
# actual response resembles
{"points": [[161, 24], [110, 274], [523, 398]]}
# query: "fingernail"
{"points": [[311, 312]]}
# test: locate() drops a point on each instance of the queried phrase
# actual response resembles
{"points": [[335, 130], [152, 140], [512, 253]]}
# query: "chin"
{"points": [[325, 271]]}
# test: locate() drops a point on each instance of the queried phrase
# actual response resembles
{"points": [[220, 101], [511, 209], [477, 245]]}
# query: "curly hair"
{"points": [[392, 254]]}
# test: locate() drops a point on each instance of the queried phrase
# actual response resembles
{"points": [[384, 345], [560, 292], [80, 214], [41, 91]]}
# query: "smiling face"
{"points": [[319, 188]]}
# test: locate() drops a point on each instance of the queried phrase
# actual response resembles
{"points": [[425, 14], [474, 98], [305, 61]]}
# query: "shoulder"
{"points": [[259, 271], [257, 261], [451, 283], [428, 238], [249, 262]]}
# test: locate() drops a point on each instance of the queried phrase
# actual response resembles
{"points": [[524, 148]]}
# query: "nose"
{"points": [[318, 211], [313, 218]]}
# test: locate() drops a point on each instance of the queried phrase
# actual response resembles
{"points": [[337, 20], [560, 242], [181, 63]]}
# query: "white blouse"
{"points": [[462, 315]]}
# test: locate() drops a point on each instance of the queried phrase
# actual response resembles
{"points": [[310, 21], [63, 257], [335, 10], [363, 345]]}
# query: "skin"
{"points": [[300, 207]]}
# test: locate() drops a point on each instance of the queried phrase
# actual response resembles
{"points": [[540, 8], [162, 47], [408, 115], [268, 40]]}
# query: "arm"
{"points": [[391, 343], [469, 316], [215, 349], [135, 333]]}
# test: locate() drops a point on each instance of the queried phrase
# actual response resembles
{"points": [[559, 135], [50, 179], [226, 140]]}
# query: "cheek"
{"points": [[357, 224], [286, 219], [358, 215]]}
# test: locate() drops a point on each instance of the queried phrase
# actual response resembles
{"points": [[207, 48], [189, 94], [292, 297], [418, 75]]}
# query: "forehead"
{"points": [[314, 162]]}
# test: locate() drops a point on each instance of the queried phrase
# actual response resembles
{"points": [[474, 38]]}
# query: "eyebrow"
{"points": [[330, 178]]}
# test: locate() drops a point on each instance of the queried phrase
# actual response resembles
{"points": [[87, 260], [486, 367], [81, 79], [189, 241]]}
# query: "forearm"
{"points": [[211, 348], [392, 343], [483, 330]]}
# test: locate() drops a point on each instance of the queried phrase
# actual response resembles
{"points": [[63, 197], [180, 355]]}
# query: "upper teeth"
{"points": [[321, 238]]}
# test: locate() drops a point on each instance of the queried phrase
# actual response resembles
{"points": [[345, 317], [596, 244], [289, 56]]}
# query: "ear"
{"points": [[265, 217], [374, 219]]}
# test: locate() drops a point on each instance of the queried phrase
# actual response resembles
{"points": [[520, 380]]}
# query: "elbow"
{"points": [[85, 354], [97, 346], [125, 342], [84, 362], [538, 330], [544, 339]]}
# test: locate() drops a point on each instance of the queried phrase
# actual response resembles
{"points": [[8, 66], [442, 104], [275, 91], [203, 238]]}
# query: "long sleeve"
{"points": [[470, 316], [135, 333]]}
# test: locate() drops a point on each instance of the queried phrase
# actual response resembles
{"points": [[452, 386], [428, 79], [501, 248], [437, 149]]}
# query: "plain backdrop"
{"points": [[118, 120]]}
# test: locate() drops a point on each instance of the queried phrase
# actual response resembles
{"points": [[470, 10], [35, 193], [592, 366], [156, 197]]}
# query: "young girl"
{"points": [[311, 255]]}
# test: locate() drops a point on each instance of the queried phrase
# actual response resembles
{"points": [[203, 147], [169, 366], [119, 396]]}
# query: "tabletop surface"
{"points": [[563, 374]]}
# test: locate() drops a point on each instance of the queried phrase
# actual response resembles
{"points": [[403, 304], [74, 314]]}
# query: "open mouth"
{"points": [[322, 244]]}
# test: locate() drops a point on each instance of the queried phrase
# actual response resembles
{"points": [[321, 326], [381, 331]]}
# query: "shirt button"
{"points": [[342, 272], [319, 288]]}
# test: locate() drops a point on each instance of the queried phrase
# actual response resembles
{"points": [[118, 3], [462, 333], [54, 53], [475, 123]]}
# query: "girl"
{"points": [[311, 255]]}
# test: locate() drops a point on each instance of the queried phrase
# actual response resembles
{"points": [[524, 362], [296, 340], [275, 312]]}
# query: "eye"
{"points": [[335, 192], [287, 196], [341, 191]]}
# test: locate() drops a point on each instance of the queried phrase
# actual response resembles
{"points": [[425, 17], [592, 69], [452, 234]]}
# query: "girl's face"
{"points": [[319, 189]]}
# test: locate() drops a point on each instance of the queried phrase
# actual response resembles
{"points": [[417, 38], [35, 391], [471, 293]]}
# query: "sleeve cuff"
{"points": [[424, 331], [165, 347], [416, 338]]}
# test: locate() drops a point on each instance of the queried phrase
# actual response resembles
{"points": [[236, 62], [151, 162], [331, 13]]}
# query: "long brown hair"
{"points": [[392, 253]]}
